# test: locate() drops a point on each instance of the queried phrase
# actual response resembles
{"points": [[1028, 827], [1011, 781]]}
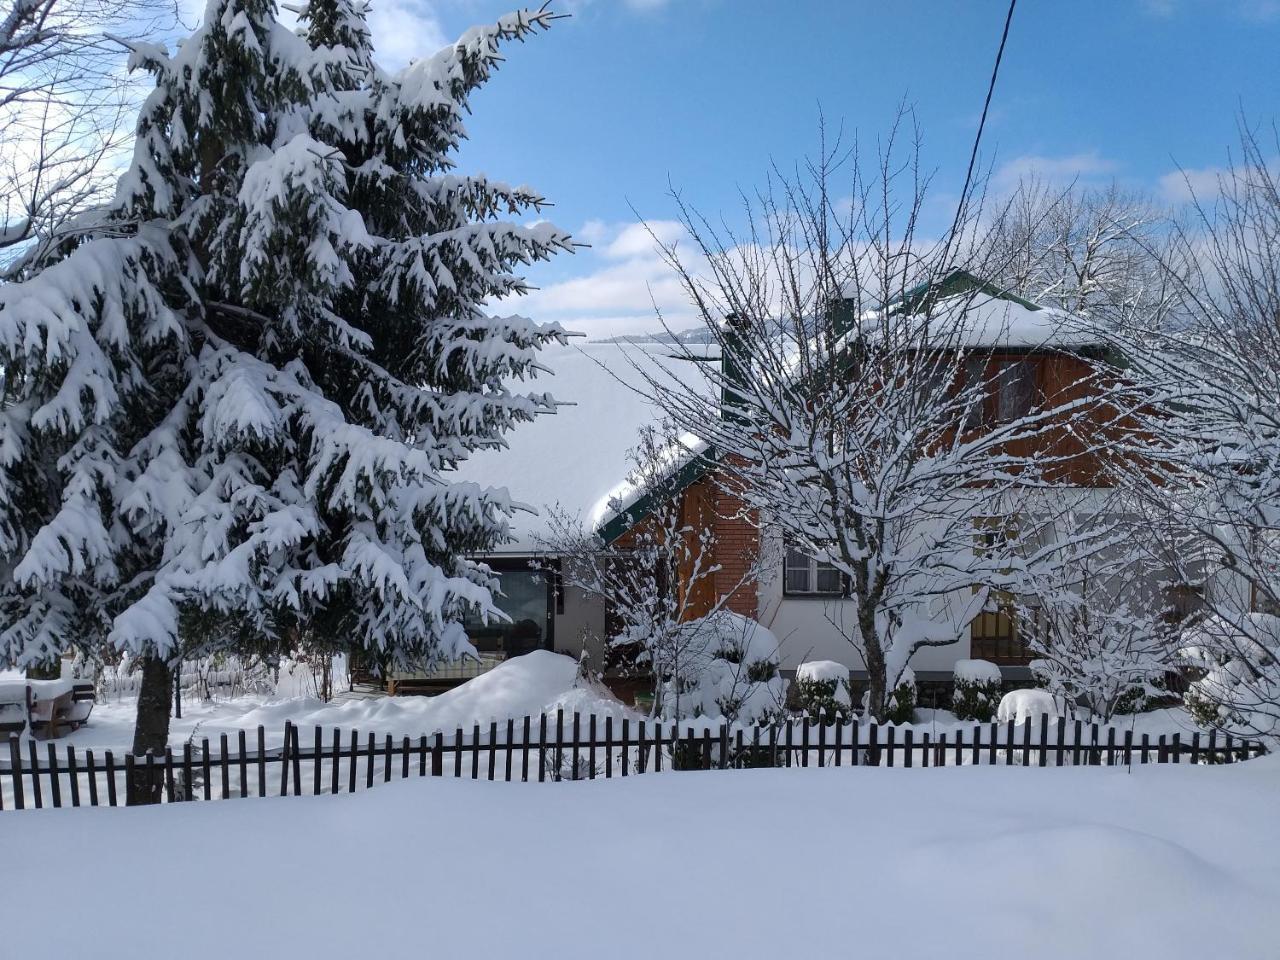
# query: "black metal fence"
{"points": [[560, 748]]}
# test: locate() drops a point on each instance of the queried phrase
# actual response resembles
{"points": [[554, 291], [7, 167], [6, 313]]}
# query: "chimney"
{"points": [[733, 362]]}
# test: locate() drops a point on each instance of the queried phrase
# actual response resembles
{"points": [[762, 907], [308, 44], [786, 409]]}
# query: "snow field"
{"points": [[1174, 862]]}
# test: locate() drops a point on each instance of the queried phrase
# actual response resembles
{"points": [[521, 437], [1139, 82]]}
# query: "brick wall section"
{"points": [[737, 550]]}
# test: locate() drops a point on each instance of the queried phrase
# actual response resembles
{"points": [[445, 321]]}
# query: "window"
{"points": [[804, 575], [996, 634], [528, 599], [1015, 389], [975, 372]]}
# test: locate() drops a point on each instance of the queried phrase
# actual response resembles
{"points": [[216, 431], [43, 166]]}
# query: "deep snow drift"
{"points": [[1171, 862]]}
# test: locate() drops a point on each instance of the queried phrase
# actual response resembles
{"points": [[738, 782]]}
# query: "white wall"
{"points": [[582, 623]]}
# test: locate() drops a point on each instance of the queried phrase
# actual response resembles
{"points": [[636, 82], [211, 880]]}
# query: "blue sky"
{"points": [[628, 96]]}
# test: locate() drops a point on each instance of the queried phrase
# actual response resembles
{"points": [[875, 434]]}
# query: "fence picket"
{"points": [[351, 768], [542, 746], [333, 765], [511, 730], [387, 750], [405, 750], [55, 781], [93, 778], [608, 747], [1062, 733], [170, 792], [222, 763], [640, 755], [15, 769], [889, 744], [284, 762], [110, 778], [591, 747], [524, 750], [906, 744], [37, 798], [262, 761], [368, 759]]}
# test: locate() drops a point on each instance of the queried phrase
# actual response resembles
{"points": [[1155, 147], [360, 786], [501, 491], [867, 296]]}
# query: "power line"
{"points": [[986, 106]]}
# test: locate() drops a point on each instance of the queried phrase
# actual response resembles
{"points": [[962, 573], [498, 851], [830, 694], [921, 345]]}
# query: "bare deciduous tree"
{"points": [[1208, 475], [65, 109], [1104, 254], [857, 405]]}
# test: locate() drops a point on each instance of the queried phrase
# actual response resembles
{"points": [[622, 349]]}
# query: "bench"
{"points": [[47, 705]]}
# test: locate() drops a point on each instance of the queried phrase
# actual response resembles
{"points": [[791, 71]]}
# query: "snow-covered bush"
{"points": [[977, 690], [729, 670], [822, 689], [1020, 705], [1234, 691], [901, 706]]}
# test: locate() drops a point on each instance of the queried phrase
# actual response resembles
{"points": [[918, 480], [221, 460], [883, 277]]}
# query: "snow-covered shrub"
{"points": [[1020, 705], [1238, 666], [822, 689], [729, 669], [977, 690], [901, 706]]}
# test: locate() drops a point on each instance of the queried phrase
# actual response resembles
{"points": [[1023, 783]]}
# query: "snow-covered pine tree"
{"points": [[232, 405]]}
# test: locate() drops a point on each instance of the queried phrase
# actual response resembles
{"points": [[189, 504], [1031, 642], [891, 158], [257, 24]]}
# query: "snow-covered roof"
{"points": [[577, 458], [969, 312]]}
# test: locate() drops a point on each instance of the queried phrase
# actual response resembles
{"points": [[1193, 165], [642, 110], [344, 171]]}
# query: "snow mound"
{"points": [[977, 671], [1020, 705]]}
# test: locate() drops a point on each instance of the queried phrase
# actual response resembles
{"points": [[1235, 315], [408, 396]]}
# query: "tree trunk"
{"points": [[151, 729]]}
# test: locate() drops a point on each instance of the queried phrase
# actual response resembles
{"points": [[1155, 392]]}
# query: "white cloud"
{"points": [[643, 239], [1257, 11], [405, 30], [622, 284], [1180, 186], [1064, 169]]}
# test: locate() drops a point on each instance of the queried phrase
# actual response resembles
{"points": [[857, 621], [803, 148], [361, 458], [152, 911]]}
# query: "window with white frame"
{"points": [[806, 576]]}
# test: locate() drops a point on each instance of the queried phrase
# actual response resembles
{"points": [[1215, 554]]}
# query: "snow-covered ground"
{"points": [[1171, 862], [526, 686]]}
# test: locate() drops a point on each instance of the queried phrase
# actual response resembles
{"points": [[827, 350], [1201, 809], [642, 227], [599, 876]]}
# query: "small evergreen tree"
{"points": [[232, 403]]}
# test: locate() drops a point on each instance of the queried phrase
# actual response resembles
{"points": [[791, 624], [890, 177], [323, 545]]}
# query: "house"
{"points": [[577, 463]]}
